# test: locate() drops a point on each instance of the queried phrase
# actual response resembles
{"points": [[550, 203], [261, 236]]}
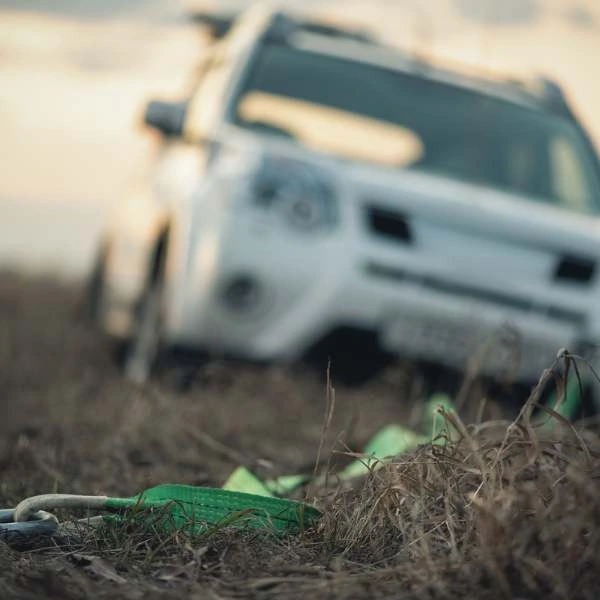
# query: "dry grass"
{"points": [[505, 510]]}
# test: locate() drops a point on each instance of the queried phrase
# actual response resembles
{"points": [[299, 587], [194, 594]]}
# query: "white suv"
{"points": [[318, 187]]}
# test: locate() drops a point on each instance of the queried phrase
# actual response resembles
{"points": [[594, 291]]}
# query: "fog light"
{"points": [[242, 293]]}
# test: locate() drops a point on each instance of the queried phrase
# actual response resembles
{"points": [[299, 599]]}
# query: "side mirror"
{"points": [[166, 117], [217, 25]]}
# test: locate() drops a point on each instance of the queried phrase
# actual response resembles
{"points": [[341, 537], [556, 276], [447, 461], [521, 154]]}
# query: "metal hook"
{"points": [[40, 523]]}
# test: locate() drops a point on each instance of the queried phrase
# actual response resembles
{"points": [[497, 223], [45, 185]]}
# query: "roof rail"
{"points": [[359, 35], [547, 91], [282, 25]]}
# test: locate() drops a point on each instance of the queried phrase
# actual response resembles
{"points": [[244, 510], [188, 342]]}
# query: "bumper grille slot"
{"points": [[575, 269], [436, 284]]}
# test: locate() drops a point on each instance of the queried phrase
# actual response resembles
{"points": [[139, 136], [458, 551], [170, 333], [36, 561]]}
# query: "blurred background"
{"points": [[74, 76]]}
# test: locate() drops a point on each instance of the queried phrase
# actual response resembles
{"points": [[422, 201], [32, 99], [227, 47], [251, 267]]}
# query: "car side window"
{"points": [[569, 181]]}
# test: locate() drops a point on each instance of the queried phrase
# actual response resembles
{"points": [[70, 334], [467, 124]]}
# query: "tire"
{"points": [[145, 350], [94, 291]]}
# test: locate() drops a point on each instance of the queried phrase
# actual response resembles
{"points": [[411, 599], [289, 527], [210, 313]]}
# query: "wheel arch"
{"points": [[159, 252]]}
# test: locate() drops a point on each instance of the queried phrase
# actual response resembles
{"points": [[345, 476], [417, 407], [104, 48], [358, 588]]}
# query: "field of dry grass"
{"points": [[503, 511]]}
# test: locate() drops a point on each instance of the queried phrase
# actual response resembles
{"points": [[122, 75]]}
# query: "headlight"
{"points": [[299, 192]]}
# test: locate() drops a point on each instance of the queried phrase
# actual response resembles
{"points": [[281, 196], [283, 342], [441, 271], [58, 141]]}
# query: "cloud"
{"points": [[580, 16], [504, 12]]}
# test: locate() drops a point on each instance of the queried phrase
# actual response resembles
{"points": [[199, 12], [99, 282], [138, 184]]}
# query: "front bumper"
{"points": [[295, 287]]}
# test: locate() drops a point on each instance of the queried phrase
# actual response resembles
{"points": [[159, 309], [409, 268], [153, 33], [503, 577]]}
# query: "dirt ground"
{"points": [[71, 424], [67, 409]]}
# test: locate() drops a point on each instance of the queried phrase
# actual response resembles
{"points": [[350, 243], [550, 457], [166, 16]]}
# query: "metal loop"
{"points": [[40, 523]]}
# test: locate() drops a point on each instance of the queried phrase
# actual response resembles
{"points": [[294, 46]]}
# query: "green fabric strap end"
{"points": [[197, 509]]}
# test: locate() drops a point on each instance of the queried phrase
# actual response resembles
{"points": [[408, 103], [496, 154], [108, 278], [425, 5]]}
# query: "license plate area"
{"points": [[499, 352]]}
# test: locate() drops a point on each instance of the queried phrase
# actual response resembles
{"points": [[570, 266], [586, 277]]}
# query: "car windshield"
{"points": [[369, 113]]}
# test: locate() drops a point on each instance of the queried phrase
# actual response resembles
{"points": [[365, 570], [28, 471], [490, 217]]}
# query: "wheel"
{"points": [[94, 290], [145, 349]]}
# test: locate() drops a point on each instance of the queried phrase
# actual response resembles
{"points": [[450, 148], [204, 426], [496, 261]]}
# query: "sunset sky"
{"points": [[74, 76]]}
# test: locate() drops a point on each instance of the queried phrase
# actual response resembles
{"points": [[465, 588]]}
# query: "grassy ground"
{"points": [[504, 512]]}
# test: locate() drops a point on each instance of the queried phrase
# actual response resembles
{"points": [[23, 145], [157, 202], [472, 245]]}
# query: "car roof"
{"points": [[359, 45]]}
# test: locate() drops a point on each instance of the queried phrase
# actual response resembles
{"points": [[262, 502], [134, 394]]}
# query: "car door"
{"points": [[155, 203], [166, 196]]}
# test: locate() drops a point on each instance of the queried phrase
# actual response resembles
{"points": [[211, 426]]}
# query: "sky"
{"points": [[74, 76]]}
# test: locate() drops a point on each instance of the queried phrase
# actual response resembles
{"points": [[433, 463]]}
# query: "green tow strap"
{"points": [[245, 500], [193, 508], [570, 405], [389, 442], [187, 508]]}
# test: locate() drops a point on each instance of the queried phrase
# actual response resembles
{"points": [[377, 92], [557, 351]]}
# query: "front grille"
{"points": [[389, 224], [460, 290]]}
